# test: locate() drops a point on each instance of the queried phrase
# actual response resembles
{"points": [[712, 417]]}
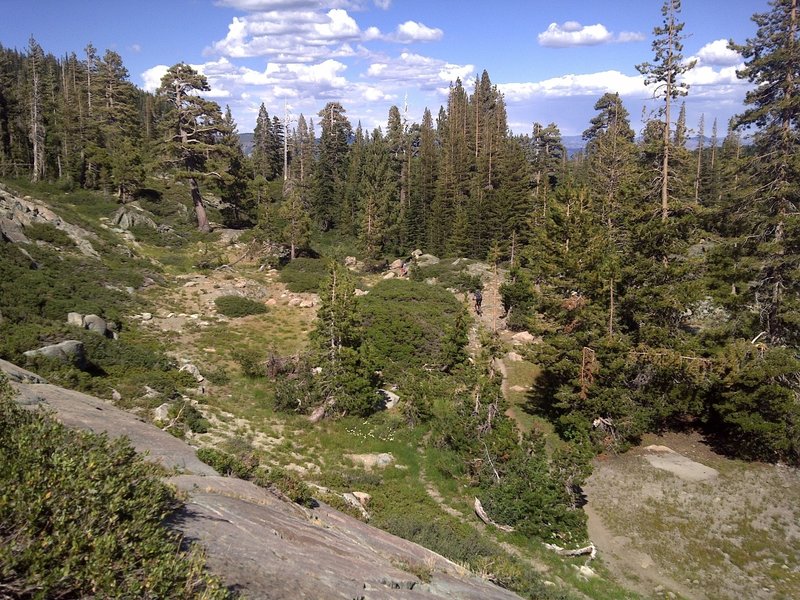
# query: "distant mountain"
{"points": [[246, 140]]}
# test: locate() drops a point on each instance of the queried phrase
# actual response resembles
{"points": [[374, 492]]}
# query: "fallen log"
{"points": [[591, 550], [485, 518]]}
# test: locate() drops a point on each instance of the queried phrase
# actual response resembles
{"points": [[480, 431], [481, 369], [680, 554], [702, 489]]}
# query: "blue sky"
{"points": [[551, 59]]}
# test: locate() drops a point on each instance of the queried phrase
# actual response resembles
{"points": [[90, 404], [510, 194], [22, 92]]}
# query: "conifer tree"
{"points": [[772, 65], [331, 166], [611, 155], [191, 128], [37, 124], [665, 74]]}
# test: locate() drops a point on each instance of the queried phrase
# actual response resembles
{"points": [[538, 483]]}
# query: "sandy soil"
{"points": [[676, 518]]}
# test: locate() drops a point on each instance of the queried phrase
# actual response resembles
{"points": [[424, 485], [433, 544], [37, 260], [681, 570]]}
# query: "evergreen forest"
{"points": [[659, 270]]}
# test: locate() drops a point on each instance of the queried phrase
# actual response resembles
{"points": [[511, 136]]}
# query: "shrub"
{"points": [[304, 274], [83, 516], [288, 483], [239, 306], [226, 464], [251, 362], [412, 324], [46, 232]]}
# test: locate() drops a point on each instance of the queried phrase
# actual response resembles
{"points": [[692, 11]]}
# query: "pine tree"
{"points": [[297, 228], [331, 166], [772, 65], [665, 74], [611, 154], [378, 188], [37, 93], [191, 127]]}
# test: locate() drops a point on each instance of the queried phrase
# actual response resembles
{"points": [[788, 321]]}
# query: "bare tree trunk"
{"points": [[199, 207]]}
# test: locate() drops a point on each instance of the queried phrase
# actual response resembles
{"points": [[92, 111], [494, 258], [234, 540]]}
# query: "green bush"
{"points": [[285, 481], [45, 232], [250, 361], [304, 274], [226, 464], [239, 306], [412, 324], [82, 516]]}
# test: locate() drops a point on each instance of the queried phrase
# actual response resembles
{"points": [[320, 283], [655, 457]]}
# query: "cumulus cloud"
{"points": [[412, 31], [423, 72], [151, 78], [718, 54], [572, 33], [588, 84]]}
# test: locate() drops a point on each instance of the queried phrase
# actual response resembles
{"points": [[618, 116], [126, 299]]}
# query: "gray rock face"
{"points": [[69, 352], [426, 260], [17, 213], [18, 374], [96, 324], [261, 545], [132, 216], [75, 319]]}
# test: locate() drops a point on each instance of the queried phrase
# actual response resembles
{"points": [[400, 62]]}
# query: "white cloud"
{"points": [[572, 33], [383, 4], [420, 71], [341, 26], [151, 78], [412, 31], [717, 53], [588, 84], [293, 36]]}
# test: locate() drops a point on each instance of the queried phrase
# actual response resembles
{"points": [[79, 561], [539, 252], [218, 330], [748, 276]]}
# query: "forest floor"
{"points": [[674, 516]]}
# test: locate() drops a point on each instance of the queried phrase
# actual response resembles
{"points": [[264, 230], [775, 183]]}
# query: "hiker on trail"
{"points": [[478, 301]]}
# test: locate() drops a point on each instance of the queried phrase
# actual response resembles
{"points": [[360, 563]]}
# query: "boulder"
{"points": [[306, 304], [350, 498], [96, 324], [130, 216], [389, 275], [514, 357], [523, 337], [390, 399], [362, 497], [397, 264], [350, 261], [69, 352], [161, 413], [370, 461], [75, 319], [193, 371], [416, 253], [426, 260], [359, 292]]}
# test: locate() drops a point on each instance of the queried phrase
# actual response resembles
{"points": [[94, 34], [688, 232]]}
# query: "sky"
{"points": [[551, 59]]}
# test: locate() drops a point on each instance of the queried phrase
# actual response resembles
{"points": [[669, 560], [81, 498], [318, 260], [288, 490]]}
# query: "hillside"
{"points": [[404, 468]]}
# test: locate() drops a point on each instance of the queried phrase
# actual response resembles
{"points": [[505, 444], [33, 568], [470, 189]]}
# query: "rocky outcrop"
{"points": [[130, 216], [257, 543], [17, 213], [70, 352]]}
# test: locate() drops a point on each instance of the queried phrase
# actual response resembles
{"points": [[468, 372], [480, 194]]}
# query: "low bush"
{"points": [[285, 481], [251, 362], [45, 232], [304, 274], [226, 464], [239, 306], [82, 516]]}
